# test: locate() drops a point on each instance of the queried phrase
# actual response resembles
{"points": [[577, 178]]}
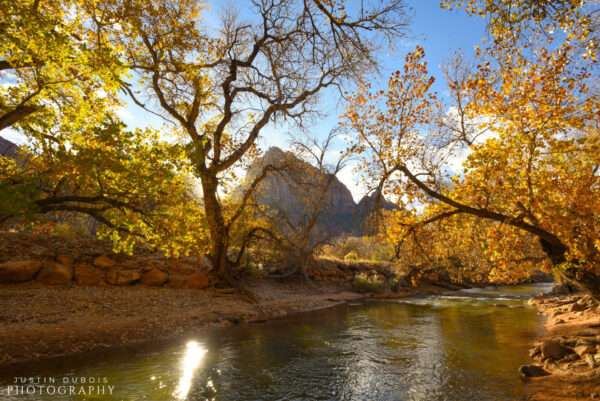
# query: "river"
{"points": [[462, 347]]}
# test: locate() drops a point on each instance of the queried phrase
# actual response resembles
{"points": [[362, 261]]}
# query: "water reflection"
{"points": [[193, 356]]}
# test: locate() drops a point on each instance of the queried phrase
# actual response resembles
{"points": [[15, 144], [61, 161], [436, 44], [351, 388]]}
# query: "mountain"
{"points": [[292, 188], [7, 148]]}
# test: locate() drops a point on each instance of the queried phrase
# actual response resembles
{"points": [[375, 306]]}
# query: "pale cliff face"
{"points": [[340, 216]]}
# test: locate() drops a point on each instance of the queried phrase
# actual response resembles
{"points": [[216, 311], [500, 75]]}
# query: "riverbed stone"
{"points": [[154, 277], [54, 273], [554, 350], [527, 371], [16, 271], [122, 277]]}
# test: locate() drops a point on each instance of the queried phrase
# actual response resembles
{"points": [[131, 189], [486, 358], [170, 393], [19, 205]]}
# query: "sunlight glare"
{"points": [[194, 353]]}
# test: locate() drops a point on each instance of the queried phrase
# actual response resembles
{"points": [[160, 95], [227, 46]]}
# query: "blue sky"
{"points": [[441, 32]]}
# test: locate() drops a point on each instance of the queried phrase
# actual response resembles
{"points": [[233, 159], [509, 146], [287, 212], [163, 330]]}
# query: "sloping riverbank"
{"points": [[39, 322], [567, 358]]}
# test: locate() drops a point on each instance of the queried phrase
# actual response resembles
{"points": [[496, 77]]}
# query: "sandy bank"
{"points": [[39, 322]]}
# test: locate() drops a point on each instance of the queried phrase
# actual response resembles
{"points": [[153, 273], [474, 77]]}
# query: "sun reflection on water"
{"points": [[194, 353]]}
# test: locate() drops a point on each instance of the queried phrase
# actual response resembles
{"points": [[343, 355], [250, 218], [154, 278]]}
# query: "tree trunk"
{"points": [[575, 276], [219, 236]]}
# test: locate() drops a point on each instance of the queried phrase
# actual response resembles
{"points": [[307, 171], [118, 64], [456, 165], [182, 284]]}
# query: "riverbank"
{"points": [[567, 357], [38, 322]]}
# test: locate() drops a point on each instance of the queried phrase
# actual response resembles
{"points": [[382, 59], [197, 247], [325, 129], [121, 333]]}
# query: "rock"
{"points": [[535, 351], [182, 268], [65, 260], [577, 307], [19, 270], [104, 262], [54, 273], [197, 280], [122, 277], [154, 278], [554, 350], [527, 371], [582, 350], [88, 275]]}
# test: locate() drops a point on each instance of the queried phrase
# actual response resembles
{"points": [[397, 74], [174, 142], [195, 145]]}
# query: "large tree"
{"points": [[221, 86], [59, 77], [535, 171]]}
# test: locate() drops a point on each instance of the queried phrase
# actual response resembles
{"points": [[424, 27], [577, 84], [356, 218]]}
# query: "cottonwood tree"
{"points": [[130, 182], [53, 70], [538, 171], [223, 86], [59, 79]]}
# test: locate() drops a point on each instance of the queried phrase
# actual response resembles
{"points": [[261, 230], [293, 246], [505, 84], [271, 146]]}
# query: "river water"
{"points": [[467, 346]]}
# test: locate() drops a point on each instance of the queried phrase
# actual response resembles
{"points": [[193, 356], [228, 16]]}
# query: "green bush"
{"points": [[368, 283]]}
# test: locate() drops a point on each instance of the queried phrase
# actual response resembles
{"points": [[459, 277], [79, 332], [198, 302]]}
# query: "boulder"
{"points": [[154, 277], [122, 277], [197, 280], [17, 271], [183, 268], [54, 273], [527, 371], [103, 262], [65, 260], [88, 275], [554, 350]]}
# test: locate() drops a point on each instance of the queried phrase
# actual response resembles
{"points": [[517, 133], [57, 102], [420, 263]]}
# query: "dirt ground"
{"points": [[38, 322]]}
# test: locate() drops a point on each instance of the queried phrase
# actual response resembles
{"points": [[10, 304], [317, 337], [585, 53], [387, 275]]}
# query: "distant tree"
{"points": [[310, 174]]}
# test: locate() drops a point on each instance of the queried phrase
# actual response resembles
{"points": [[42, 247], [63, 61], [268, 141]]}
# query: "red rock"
{"points": [[88, 275], [554, 350], [197, 280], [104, 262], [19, 270], [54, 273], [65, 260], [122, 277], [154, 278]]}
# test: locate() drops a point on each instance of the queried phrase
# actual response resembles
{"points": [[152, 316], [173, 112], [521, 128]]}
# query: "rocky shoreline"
{"points": [[567, 358]]}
